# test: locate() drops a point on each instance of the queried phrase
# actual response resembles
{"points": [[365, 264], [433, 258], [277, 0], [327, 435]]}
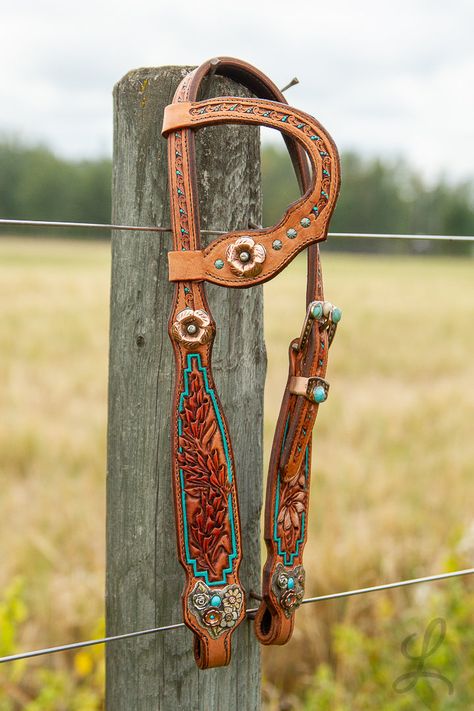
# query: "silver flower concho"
{"points": [[192, 328], [245, 257]]}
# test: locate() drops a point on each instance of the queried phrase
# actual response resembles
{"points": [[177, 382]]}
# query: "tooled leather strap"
{"points": [[204, 483]]}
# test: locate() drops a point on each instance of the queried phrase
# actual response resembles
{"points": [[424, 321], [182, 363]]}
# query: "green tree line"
{"points": [[378, 195]]}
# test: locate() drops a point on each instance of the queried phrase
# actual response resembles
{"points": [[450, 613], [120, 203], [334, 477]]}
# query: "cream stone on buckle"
{"points": [[192, 328], [245, 257]]}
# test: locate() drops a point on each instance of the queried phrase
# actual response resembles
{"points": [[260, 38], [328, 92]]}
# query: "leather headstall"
{"points": [[204, 478]]}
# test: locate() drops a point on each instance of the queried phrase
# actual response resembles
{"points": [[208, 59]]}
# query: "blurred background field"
{"points": [[392, 494]]}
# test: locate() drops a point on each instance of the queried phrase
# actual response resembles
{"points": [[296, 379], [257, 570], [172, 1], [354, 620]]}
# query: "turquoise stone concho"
{"points": [[288, 587], [216, 610]]}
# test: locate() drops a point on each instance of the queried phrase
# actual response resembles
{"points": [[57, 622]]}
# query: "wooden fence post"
{"points": [[144, 579]]}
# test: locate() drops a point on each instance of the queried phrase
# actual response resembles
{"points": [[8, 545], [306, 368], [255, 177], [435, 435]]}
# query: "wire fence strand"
{"points": [[139, 228], [250, 612]]}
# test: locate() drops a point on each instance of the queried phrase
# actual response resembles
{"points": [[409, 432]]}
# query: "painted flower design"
{"points": [[245, 257], [290, 600], [212, 617], [232, 597], [201, 597], [230, 617], [192, 328]]}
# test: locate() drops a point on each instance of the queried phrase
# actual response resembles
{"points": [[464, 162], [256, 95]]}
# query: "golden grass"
{"points": [[393, 452]]}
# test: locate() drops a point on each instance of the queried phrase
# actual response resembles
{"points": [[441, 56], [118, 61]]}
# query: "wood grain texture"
{"points": [[144, 579]]}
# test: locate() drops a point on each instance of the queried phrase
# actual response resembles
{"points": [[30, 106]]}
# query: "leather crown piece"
{"points": [[204, 479]]}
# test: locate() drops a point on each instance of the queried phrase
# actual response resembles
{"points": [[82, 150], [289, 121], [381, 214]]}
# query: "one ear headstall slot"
{"points": [[204, 477]]}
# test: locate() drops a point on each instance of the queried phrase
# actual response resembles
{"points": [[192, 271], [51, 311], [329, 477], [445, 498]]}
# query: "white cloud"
{"points": [[383, 77]]}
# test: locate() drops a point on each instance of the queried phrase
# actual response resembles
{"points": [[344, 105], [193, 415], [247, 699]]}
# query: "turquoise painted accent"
{"points": [[215, 601], [189, 560], [288, 557], [291, 583], [319, 394], [186, 290], [315, 138], [323, 153], [305, 222], [300, 125], [277, 244], [317, 311], [336, 315], [315, 209], [291, 233], [325, 172], [178, 172], [324, 194], [285, 119], [321, 362], [218, 264]]}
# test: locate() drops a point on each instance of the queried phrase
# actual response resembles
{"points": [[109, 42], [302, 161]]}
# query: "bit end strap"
{"points": [[211, 653], [271, 625]]}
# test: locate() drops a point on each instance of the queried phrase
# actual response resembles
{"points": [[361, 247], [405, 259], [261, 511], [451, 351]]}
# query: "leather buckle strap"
{"points": [[324, 316], [314, 389], [328, 317]]}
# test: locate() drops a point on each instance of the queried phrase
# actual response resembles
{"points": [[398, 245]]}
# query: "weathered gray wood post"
{"points": [[144, 579]]}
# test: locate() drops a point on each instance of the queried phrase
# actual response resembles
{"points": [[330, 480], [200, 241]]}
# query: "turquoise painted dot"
{"points": [[319, 394], [215, 601], [317, 311], [277, 244], [336, 315], [291, 583], [305, 222], [291, 233], [218, 264]]}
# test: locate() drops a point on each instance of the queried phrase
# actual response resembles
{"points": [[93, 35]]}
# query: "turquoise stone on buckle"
{"points": [[319, 394]]}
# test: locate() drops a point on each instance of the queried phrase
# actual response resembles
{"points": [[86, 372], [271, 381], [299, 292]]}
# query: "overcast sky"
{"points": [[384, 76]]}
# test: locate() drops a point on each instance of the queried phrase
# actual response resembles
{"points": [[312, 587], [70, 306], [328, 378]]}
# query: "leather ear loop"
{"points": [[275, 246]]}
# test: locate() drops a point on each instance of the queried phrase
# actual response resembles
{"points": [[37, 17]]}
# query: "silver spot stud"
{"points": [[244, 256], [191, 329], [305, 222], [277, 244]]}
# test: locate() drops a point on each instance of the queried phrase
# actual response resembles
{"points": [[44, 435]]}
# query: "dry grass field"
{"points": [[393, 483]]}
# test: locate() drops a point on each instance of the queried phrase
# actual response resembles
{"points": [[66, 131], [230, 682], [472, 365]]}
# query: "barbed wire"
{"points": [[139, 228], [250, 612]]}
